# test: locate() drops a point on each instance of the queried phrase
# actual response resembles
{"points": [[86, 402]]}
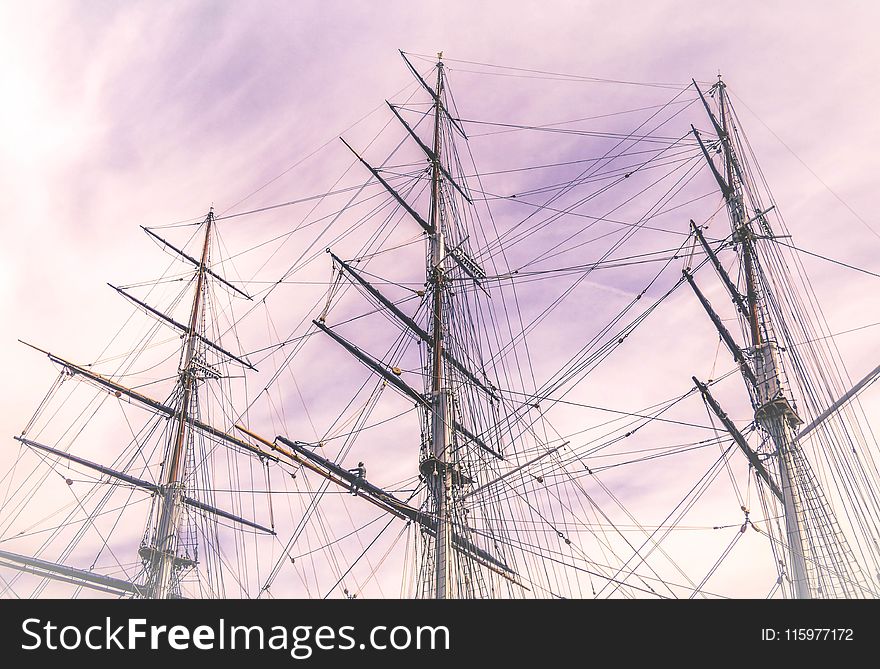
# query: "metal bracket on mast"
{"points": [[469, 266]]}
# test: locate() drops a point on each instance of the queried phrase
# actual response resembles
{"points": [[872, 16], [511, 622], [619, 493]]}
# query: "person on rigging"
{"points": [[359, 473]]}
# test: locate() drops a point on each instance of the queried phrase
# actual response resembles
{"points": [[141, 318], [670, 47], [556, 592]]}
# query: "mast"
{"points": [[447, 569], [164, 562], [774, 410], [441, 480], [773, 404]]}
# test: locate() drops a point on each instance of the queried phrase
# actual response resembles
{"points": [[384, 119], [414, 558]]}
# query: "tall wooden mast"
{"points": [[162, 552], [774, 407], [441, 480], [819, 561], [449, 554]]}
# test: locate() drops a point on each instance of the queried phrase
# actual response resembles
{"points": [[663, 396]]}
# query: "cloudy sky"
{"points": [[122, 114]]}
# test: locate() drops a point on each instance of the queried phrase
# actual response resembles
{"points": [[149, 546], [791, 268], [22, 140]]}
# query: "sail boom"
{"points": [[401, 511], [397, 196], [366, 489], [428, 152], [739, 439], [183, 328], [725, 277], [722, 184], [735, 350], [374, 365], [843, 400], [403, 387], [220, 349], [149, 309], [454, 121], [207, 508], [122, 476], [195, 262], [377, 496], [151, 403], [718, 129], [61, 572], [343, 477], [235, 441], [412, 325], [73, 368], [133, 480], [388, 304]]}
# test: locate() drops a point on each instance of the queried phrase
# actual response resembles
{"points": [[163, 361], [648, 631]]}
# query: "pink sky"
{"points": [[118, 115]]}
